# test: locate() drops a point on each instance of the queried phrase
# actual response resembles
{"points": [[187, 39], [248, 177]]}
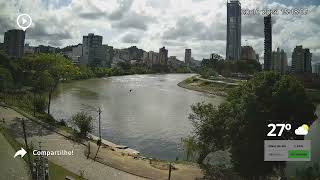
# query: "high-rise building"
{"points": [[267, 42], [301, 60], [1, 46], [307, 61], [174, 62], [135, 53], [109, 55], [93, 51], [151, 58], [29, 49], [163, 56], [233, 30], [121, 55], [187, 57], [76, 53], [14, 42], [248, 53], [45, 49], [279, 61], [316, 68]]}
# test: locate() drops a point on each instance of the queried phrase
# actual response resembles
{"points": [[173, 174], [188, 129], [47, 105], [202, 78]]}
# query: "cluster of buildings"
{"points": [[273, 60], [153, 58], [92, 52]]}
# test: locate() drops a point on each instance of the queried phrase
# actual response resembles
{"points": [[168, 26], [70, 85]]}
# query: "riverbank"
{"points": [[112, 160], [217, 88], [132, 118]]}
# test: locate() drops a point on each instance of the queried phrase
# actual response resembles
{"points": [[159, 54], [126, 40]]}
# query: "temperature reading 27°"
{"points": [[274, 127]]}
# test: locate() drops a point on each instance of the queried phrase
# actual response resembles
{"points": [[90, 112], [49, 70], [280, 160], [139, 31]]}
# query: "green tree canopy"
{"points": [[83, 122], [6, 80], [239, 125], [52, 68]]}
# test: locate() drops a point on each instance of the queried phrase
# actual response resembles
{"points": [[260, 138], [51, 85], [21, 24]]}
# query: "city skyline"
{"points": [[149, 25]]}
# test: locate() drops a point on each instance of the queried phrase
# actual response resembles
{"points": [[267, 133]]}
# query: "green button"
{"points": [[298, 154]]}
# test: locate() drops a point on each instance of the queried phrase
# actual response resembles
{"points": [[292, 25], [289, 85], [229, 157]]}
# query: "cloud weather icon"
{"points": [[302, 130]]}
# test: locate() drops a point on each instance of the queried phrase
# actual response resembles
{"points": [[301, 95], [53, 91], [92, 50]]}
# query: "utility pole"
{"points": [[169, 171], [26, 143], [99, 141], [99, 111], [34, 102]]}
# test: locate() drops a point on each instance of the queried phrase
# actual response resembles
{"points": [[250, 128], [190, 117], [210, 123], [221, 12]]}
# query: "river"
{"points": [[148, 113], [152, 118]]}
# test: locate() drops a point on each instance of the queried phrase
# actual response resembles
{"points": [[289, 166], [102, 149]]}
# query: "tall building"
{"points": [[76, 53], [121, 55], [29, 49], [163, 56], [14, 42], [248, 53], [151, 58], [279, 61], [307, 61], [267, 42], [187, 57], [174, 62], [45, 49], [233, 30], [1, 46], [93, 51], [316, 68], [301, 60], [109, 55], [135, 53]]}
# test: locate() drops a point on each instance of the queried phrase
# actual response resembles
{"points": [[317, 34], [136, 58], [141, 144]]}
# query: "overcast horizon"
{"points": [[151, 24]]}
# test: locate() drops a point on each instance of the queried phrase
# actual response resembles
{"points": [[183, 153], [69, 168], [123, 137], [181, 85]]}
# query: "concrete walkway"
{"points": [[78, 163]]}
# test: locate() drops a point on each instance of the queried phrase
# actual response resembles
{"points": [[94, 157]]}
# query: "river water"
{"points": [[152, 118], [148, 113]]}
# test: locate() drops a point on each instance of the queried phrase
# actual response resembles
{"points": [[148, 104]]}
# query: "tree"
{"points": [[40, 103], [56, 65], [239, 124], [207, 72], [6, 80], [190, 147], [83, 122]]}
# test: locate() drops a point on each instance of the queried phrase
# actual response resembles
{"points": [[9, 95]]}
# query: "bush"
{"points": [[83, 122], [40, 103]]}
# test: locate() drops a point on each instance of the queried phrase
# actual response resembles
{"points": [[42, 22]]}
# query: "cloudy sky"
{"points": [[151, 24]]}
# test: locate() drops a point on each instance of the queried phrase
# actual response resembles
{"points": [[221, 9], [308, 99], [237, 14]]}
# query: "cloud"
{"points": [[131, 38], [151, 24], [123, 7], [191, 28], [135, 21], [301, 131], [92, 15], [253, 26]]}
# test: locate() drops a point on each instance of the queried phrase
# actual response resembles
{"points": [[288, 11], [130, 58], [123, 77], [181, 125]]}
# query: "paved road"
{"points": [[78, 163]]}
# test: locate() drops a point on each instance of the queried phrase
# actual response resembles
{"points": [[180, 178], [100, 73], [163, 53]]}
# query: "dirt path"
{"points": [[143, 167]]}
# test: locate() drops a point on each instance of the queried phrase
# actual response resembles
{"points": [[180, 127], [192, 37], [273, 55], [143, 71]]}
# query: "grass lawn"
{"points": [[7, 149], [13, 168], [57, 172]]}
